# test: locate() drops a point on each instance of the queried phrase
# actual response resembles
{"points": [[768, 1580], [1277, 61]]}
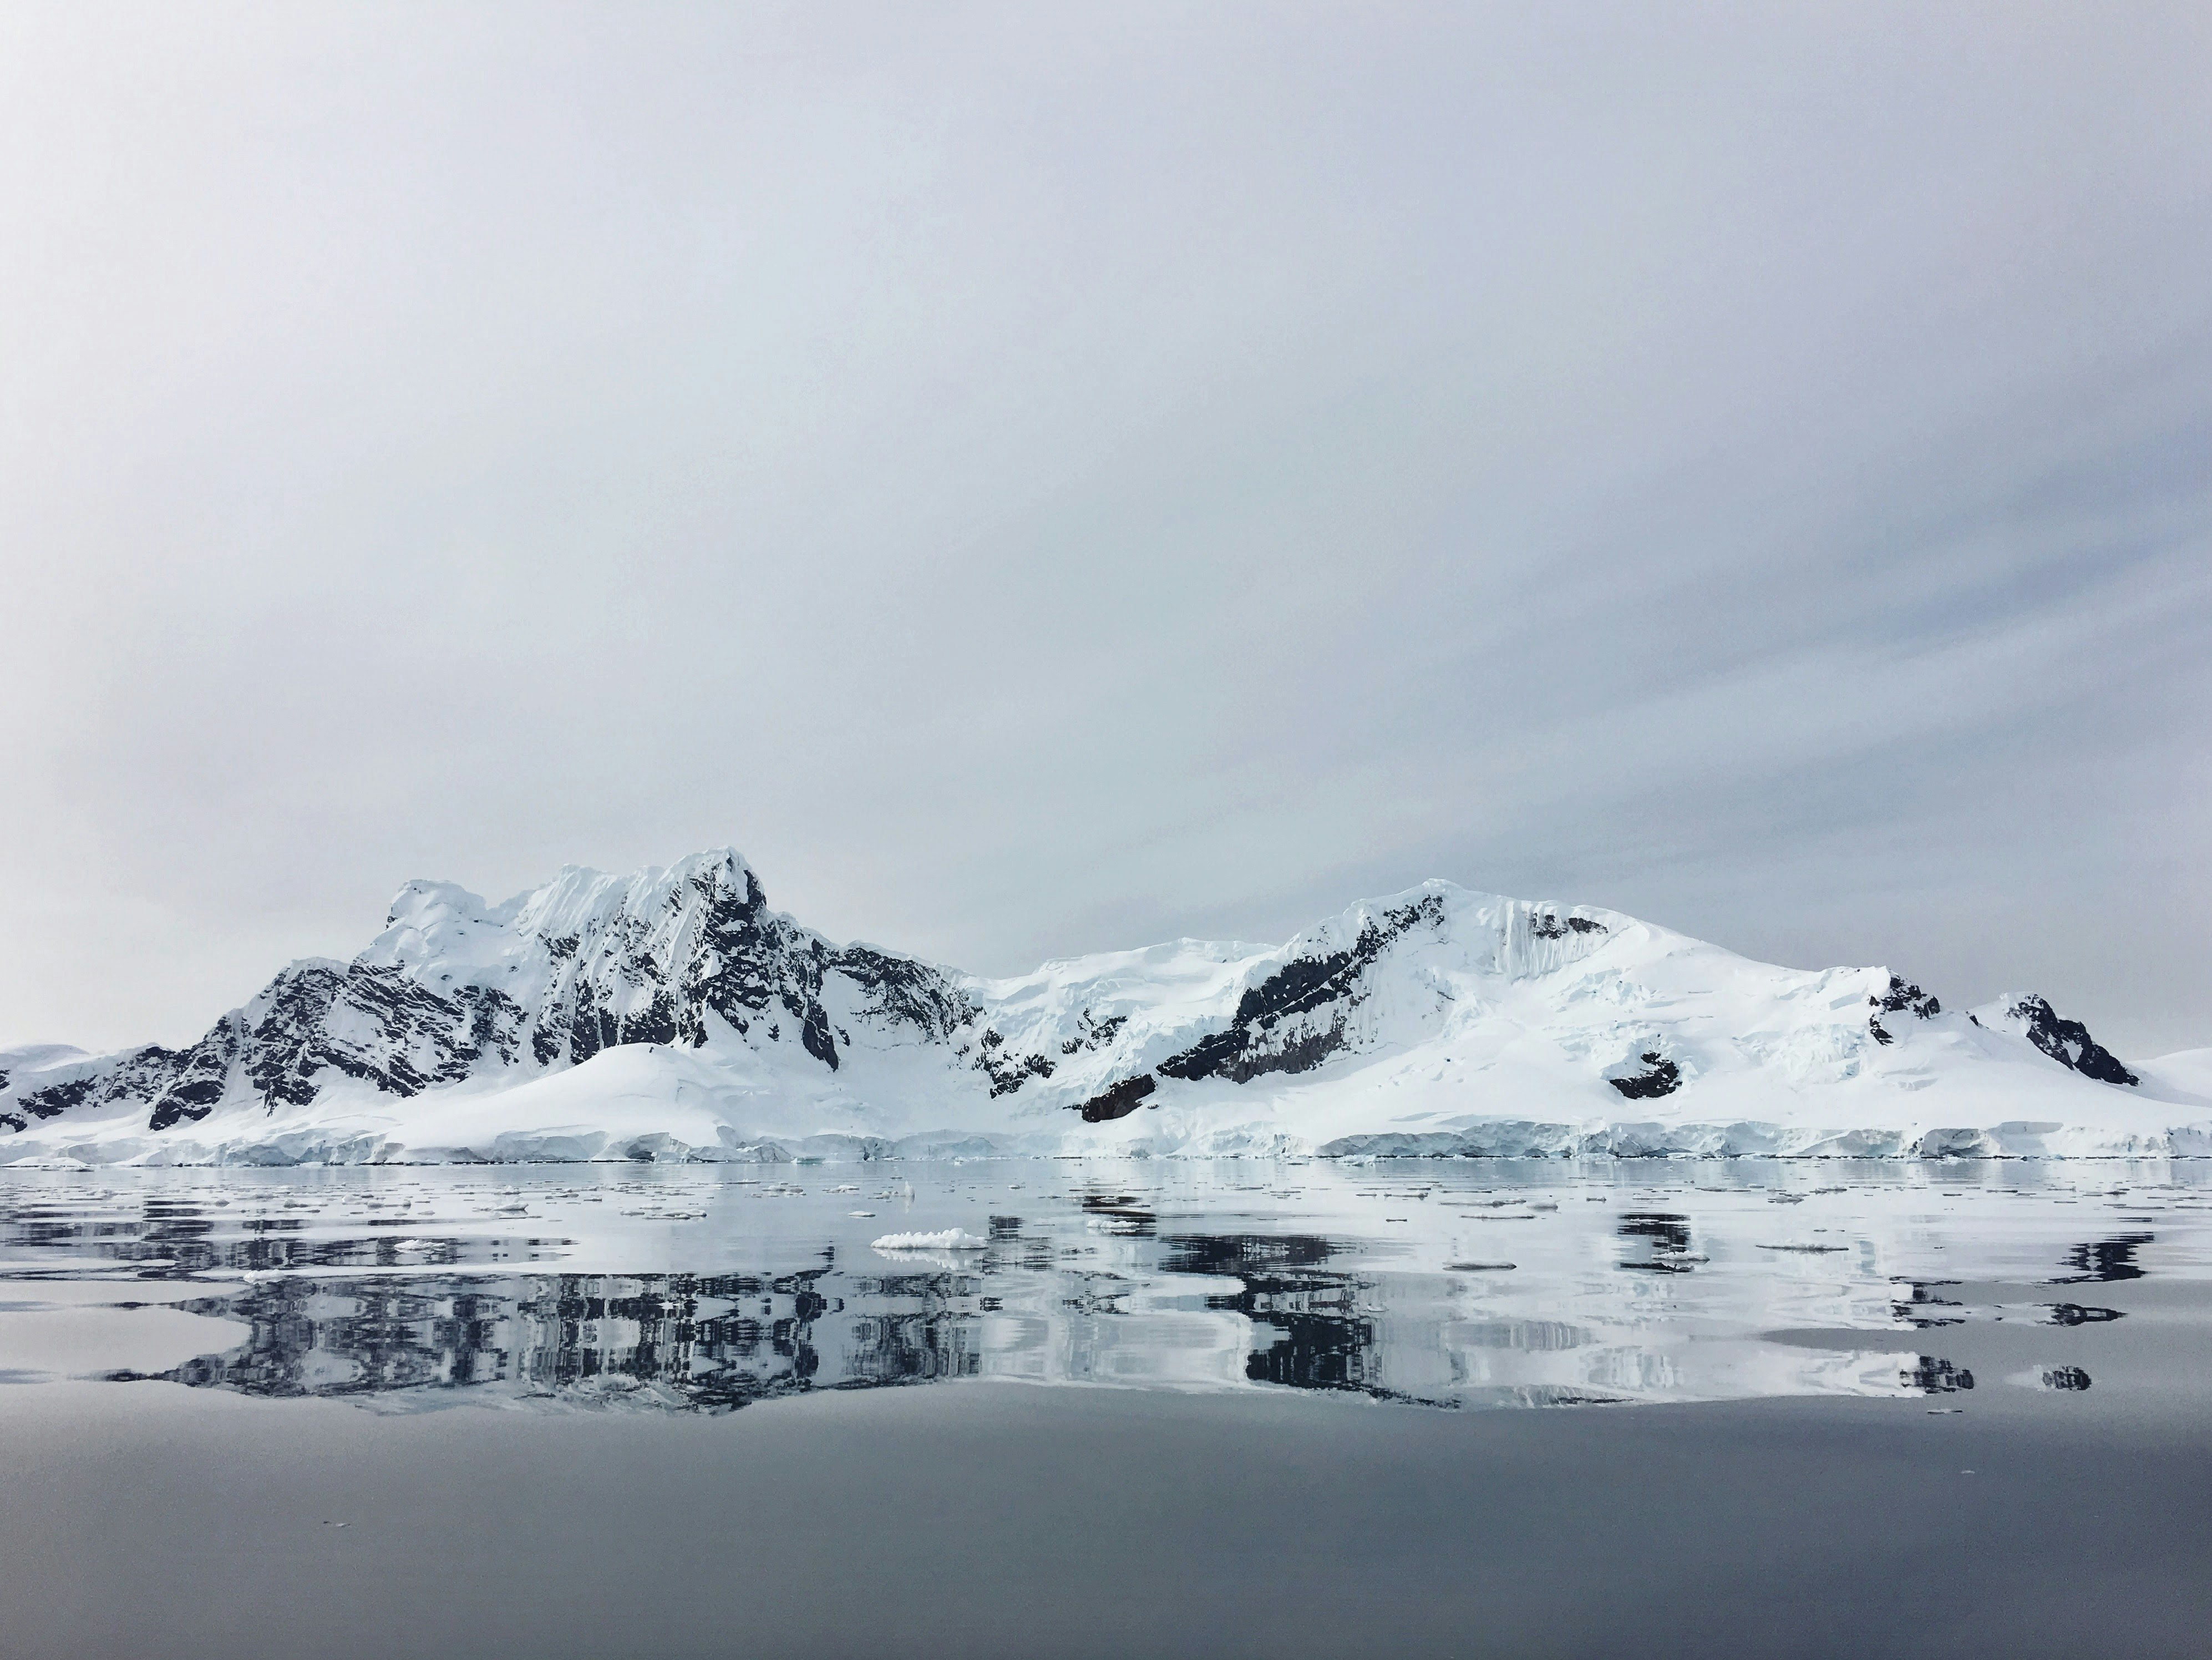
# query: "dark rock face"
{"points": [[742, 963], [198, 1076], [1900, 999], [1092, 1033], [1007, 1070], [1660, 1077], [420, 1039], [356, 1019], [2068, 1043], [1545, 925], [175, 1083], [1119, 1101], [57, 1098], [815, 1035], [901, 991], [1267, 1034], [713, 947]]}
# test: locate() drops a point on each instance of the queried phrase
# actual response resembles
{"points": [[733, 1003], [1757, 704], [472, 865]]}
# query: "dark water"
{"points": [[1807, 1409]]}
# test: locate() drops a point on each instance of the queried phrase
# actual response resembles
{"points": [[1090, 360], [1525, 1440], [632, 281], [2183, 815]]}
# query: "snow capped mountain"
{"points": [[672, 1014]]}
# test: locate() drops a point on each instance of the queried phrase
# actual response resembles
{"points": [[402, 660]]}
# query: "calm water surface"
{"points": [[1143, 1409], [1440, 1284]]}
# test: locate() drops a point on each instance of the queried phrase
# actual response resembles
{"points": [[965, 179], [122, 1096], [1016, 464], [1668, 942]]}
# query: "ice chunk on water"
{"points": [[949, 1239]]}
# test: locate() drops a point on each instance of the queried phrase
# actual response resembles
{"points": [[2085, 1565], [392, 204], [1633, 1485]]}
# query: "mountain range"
{"points": [[672, 1014]]}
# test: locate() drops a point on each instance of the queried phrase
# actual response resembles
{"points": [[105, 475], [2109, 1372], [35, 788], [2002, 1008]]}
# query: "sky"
{"points": [[1047, 479]]}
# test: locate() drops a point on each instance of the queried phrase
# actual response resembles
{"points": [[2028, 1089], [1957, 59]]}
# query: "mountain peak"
{"points": [[672, 1003]]}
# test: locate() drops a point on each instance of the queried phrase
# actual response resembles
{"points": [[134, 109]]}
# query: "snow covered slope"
{"points": [[671, 1014]]}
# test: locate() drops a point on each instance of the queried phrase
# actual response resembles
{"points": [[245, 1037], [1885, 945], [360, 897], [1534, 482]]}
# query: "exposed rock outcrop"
{"points": [[2068, 1043]]}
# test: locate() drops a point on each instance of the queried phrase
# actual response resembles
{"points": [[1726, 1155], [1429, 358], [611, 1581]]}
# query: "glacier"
{"points": [[672, 1015]]}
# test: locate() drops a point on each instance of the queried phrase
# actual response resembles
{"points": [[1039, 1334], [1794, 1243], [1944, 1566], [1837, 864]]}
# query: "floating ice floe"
{"points": [[948, 1239]]}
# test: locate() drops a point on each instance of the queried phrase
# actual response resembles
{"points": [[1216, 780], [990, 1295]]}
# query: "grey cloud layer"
{"points": [[1048, 478]]}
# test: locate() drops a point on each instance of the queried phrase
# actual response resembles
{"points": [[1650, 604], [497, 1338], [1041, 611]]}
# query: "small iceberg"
{"points": [[951, 1239]]}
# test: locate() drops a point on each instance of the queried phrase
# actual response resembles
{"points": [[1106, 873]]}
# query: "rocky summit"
{"points": [[673, 1014]]}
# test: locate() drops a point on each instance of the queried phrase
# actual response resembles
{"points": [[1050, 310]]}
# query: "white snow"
{"points": [[1491, 1025], [944, 1239]]}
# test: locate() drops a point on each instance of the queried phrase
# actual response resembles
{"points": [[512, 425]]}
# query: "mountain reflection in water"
{"points": [[682, 1340], [1451, 1284]]}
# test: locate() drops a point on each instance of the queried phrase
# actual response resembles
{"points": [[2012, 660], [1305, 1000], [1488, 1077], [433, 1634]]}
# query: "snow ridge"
{"points": [[671, 1013]]}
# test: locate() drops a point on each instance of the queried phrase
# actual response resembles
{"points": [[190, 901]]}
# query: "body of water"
{"points": [[2034, 1317]]}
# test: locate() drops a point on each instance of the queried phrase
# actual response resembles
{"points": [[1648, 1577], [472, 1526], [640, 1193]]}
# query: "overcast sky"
{"points": [[1049, 477]]}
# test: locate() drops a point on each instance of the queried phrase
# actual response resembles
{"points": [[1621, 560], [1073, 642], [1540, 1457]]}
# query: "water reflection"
{"points": [[1933, 1375], [696, 1340], [1664, 1239], [2107, 1258], [1917, 1306], [1308, 1327], [1497, 1286]]}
